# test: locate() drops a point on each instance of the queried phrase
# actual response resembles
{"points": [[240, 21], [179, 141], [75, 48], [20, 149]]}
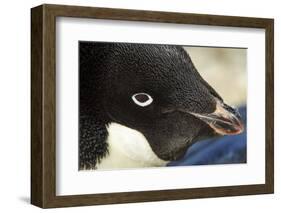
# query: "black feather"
{"points": [[110, 73]]}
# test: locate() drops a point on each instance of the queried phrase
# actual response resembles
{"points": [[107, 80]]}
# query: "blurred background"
{"points": [[225, 69]]}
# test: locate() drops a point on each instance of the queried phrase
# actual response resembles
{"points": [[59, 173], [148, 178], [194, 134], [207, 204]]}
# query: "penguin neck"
{"points": [[128, 148]]}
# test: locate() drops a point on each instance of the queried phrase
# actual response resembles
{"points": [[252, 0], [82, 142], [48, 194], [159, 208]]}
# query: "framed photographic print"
{"points": [[135, 106]]}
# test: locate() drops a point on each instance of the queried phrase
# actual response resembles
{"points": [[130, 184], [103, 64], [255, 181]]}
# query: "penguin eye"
{"points": [[142, 99]]}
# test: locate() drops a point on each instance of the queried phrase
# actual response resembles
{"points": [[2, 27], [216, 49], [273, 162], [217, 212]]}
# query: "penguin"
{"points": [[144, 105]]}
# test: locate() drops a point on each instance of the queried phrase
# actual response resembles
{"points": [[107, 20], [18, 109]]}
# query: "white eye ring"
{"points": [[142, 104]]}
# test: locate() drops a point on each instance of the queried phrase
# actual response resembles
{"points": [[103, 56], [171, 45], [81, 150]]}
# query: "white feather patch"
{"points": [[128, 148]]}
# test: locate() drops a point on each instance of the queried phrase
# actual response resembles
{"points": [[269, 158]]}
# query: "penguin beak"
{"points": [[225, 120]]}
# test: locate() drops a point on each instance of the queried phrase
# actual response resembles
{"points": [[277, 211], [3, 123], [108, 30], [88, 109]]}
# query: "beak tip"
{"points": [[240, 128], [229, 129]]}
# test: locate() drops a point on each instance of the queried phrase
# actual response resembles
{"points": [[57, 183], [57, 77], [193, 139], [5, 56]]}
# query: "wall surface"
{"points": [[15, 105]]}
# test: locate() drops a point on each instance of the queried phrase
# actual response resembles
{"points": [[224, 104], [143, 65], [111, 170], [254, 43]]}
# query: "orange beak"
{"points": [[225, 120]]}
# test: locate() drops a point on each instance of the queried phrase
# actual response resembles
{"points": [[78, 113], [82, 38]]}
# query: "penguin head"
{"points": [[156, 90]]}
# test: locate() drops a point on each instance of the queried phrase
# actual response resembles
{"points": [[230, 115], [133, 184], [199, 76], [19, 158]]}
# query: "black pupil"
{"points": [[141, 98]]}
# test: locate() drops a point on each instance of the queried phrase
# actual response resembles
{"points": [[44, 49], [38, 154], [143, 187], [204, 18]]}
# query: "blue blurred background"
{"points": [[220, 150]]}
